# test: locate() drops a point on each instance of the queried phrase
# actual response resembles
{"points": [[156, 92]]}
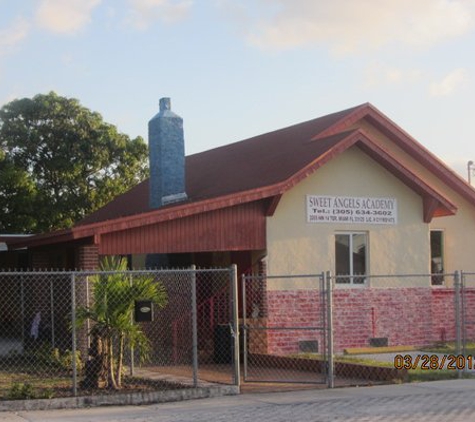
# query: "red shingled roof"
{"points": [[242, 166], [266, 166]]}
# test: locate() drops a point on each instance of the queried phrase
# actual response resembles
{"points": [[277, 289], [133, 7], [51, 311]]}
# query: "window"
{"points": [[351, 258], [437, 257]]}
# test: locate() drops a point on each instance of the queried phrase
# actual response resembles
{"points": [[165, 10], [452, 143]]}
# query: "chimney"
{"points": [[167, 157]]}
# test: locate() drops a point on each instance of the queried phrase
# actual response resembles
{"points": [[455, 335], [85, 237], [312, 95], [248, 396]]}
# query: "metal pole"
{"points": [[329, 283], [463, 327], [132, 357], [458, 317], [235, 322], [244, 324], [73, 330], [88, 322], [52, 311], [23, 338], [194, 323], [323, 316]]}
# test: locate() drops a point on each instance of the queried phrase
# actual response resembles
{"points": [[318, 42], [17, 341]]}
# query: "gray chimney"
{"points": [[167, 157]]}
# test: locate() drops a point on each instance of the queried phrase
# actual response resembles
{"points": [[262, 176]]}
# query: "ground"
{"points": [[438, 401]]}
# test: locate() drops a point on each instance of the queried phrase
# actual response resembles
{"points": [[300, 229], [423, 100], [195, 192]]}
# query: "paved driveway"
{"points": [[452, 401]]}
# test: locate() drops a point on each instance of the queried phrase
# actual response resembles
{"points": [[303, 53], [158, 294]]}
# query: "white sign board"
{"points": [[351, 210]]}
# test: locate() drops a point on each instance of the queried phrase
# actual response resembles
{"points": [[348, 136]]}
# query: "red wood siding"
{"points": [[241, 227]]}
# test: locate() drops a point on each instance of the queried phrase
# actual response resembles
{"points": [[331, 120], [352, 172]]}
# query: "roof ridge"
{"points": [[280, 130], [356, 113]]}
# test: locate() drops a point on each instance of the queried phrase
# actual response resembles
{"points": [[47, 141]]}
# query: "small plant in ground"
{"points": [[20, 391], [46, 358], [26, 391], [65, 360], [114, 297], [47, 393]]}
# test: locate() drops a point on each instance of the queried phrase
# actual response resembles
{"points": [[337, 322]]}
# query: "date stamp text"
{"points": [[434, 362]]}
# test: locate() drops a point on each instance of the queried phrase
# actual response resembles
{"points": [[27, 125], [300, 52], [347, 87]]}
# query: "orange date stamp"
{"points": [[434, 362]]}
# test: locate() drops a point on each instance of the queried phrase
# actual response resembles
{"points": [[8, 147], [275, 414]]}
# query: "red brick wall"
{"points": [[405, 316], [87, 257], [288, 309]]}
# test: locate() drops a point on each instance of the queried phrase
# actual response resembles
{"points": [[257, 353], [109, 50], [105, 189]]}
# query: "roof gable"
{"points": [[406, 142]]}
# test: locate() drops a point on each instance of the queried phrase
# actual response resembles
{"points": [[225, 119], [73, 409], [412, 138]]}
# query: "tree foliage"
{"points": [[59, 161]]}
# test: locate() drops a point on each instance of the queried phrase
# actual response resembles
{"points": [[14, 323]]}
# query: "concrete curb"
{"points": [[120, 399], [375, 350]]}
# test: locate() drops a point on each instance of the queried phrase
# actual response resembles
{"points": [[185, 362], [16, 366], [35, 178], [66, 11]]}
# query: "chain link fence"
{"points": [[284, 326], [82, 333], [354, 330], [399, 327]]}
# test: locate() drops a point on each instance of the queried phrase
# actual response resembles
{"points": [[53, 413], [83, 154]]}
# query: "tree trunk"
{"points": [[120, 359], [96, 367], [112, 380]]}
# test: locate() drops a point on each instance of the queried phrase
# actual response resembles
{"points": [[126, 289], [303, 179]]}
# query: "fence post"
{"points": [[194, 324], [235, 324], [329, 285], [458, 317], [22, 293], [73, 332], [132, 351], [51, 292], [245, 330]]}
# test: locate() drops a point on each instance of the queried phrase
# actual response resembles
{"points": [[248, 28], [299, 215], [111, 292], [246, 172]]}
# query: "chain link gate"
{"points": [[286, 329]]}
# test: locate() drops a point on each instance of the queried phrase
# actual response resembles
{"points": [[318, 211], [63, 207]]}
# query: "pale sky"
{"points": [[239, 68]]}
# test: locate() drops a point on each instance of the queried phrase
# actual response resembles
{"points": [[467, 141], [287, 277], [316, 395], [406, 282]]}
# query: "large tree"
{"points": [[59, 161]]}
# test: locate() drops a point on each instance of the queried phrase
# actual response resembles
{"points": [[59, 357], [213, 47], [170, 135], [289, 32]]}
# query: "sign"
{"points": [[351, 210], [143, 311]]}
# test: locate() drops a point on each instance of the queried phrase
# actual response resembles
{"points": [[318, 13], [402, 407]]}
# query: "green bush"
{"points": [[26, 391], [45, 359], [20, 391]]}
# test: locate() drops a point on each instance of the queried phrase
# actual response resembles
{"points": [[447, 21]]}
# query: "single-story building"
{"points": [[350, 192]]}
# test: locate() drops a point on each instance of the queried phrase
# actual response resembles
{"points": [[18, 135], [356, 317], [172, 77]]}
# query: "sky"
{"points": [[238, 68]]}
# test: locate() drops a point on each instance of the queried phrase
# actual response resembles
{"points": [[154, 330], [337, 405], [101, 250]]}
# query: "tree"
{"points": [[111, 314], [59, 161]]}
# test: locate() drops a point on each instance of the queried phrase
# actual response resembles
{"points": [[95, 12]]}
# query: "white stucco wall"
{"points": [[459, 230], [298, 247]]}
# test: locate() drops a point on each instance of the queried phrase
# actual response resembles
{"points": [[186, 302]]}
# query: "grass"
{"points": [[449, 348], [28, 386], [413, 375]]}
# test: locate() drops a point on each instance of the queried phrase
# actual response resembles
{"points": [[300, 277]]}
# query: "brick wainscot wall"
{"points": [[416, 316]]}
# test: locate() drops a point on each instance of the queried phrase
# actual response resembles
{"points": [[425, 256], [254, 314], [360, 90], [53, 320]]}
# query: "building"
{"points": [[12, 259], [350, 192]]}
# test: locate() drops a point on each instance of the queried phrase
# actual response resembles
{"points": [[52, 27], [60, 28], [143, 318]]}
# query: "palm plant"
{"points": [[113, 327]]}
